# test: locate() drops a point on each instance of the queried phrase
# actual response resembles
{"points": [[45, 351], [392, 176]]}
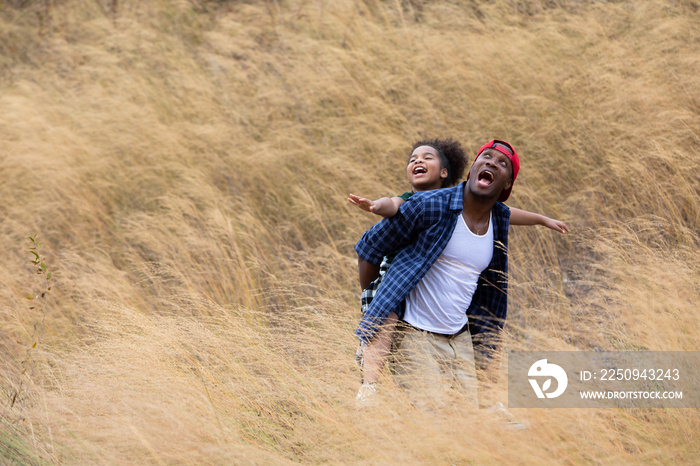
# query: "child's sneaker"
{"points": [[366, 396], [500, 410]]}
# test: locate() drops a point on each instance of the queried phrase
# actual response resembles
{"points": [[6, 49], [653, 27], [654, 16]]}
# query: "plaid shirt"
{"points": [[369, 292], [421, 230]]}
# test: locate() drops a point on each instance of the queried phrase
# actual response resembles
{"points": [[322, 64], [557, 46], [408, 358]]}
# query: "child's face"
{"points": [[424, 171]]}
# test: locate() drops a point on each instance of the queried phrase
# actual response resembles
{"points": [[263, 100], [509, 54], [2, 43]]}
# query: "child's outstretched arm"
{"points": [[386, 206], [523, 217]]}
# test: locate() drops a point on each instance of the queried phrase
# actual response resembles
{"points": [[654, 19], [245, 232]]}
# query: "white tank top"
{"points": [[440, 300]]}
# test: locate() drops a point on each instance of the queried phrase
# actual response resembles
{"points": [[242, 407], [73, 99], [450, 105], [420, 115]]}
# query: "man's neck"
{"points": [[476, 211]]}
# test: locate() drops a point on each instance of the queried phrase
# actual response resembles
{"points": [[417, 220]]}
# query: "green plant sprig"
{"points": [[42, 298]]}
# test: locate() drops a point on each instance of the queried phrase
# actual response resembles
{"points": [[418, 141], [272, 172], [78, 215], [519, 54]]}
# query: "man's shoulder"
{"points": [[501, 209], [501, 219]]}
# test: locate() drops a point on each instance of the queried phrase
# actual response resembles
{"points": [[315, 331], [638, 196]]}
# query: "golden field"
{"points": [[185, 166]]}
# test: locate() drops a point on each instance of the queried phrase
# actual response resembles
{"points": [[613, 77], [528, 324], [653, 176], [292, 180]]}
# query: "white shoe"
{"points": [[366, 395], [500, 410]]}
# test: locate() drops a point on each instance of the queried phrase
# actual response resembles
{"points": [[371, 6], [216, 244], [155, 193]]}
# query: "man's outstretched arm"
{"points": [[523, 217]]}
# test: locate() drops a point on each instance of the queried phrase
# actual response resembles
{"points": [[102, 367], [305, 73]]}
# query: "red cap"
{"points": [[506, 149]]}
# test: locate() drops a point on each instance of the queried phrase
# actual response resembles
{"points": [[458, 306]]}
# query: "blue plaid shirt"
{"points": [[421, 230]]}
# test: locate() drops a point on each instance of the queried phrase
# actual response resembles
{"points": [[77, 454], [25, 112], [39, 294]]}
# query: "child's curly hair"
{"points": [[452, 157]]}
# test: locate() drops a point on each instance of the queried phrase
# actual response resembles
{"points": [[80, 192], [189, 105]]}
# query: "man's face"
{"points": [[424, 171], [491, 173]]}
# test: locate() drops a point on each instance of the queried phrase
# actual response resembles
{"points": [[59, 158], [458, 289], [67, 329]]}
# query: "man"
{"points": [[447, 284]]}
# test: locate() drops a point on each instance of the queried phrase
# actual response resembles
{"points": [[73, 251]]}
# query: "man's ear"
{"points": [[509, 184]]}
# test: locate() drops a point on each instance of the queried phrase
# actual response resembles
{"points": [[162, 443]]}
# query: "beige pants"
{"points": [[432, 368]]}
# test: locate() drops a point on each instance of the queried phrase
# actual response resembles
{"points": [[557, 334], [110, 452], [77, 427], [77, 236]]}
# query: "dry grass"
{"points": [[186, 166]]}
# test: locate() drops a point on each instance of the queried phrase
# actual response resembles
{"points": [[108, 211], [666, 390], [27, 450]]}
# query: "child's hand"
{"points": [[385, 207], [556, 225], [361, 202]]}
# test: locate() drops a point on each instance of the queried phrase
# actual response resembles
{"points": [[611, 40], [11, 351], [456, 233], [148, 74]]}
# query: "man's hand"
{"points": [[361, 202], [556, 225]]}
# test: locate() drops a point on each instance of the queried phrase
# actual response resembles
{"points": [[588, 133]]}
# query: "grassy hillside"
{"points": [[186, 166]]}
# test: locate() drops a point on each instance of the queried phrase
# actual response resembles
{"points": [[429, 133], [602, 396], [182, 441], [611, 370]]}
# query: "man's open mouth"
{"points": [[485, 178]]}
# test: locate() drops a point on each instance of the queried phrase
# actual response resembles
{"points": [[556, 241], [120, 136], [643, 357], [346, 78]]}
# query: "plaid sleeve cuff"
{"points": [[368, 327], [367, 253]]}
